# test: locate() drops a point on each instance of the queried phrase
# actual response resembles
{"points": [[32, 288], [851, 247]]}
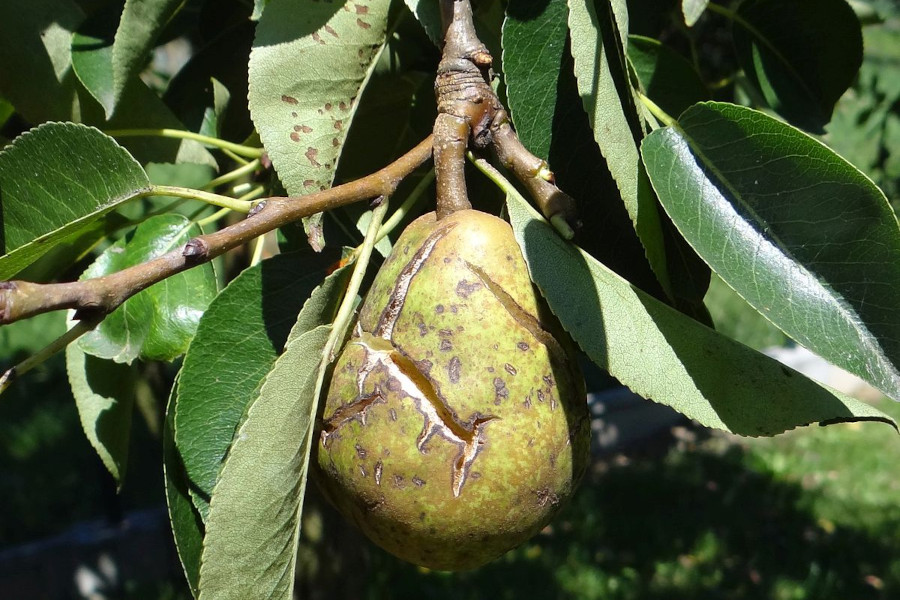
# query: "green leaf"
{"points": [[310, 60], [693, 10], [801, 54], [738, 320], [92, 55], [136, 106], [663, 355], [35, 72], [56, 182], [253, 527], [796, 230], [140, 25], [598, 31], [104, 395], [546, 109], [668, 79], [187, 526], [534, 45], [428, 14], [159, 322], [239, 337], [193, 95]]}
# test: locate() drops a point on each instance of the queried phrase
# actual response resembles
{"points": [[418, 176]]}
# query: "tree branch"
{"points": [[93, 298], [469, 111]]}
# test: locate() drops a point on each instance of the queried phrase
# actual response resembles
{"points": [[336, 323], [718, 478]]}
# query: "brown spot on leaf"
{"points": [[338, 124], [342, 106], [331, 30], [335, 142], [311, 154], [362, 10], [309, 183], [328, 106], [510, 369], [360, 451], [522, 346], [418, 481], [289, 99], [293, 114], [295, 137], [379, 467], [392, 414], [317, 38], [446, 345], [362, 24], [398, 481]]}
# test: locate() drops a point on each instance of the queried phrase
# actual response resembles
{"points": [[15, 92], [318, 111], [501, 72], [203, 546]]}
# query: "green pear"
{"points": [[456, 423]]}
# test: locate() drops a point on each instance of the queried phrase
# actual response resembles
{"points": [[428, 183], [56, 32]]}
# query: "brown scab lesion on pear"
{"points": [[455, 424]]}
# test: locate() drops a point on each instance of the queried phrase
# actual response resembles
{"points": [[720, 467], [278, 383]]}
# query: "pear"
{"points": [[456, 423]]}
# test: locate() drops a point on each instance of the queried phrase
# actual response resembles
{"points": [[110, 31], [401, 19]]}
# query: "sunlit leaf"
{"points": [[140, 25], [546, 109], [309, 63], [665, 356], [239, 337], [796, 230], [598, 32], [693, 10], [159, 322], [56, 182], [253, 526]]}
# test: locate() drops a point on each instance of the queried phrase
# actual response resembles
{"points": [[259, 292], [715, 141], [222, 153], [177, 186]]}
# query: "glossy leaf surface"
{"points": [[75, 176], [797, 231], [663, 355], [159, 322]]}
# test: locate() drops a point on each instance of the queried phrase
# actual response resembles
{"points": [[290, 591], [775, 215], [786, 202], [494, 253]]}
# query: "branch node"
{"points": [[7, 292], [196, 249], [257, 208]]}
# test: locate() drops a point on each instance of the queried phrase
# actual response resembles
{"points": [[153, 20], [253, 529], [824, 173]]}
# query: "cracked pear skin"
{"points": [[456, 423]]}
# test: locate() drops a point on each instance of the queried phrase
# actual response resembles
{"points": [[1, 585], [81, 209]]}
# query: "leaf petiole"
{"points": [[238, 204], [79, 329], [345, 312], [245, 169], [238, 149], [657, 112]]}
